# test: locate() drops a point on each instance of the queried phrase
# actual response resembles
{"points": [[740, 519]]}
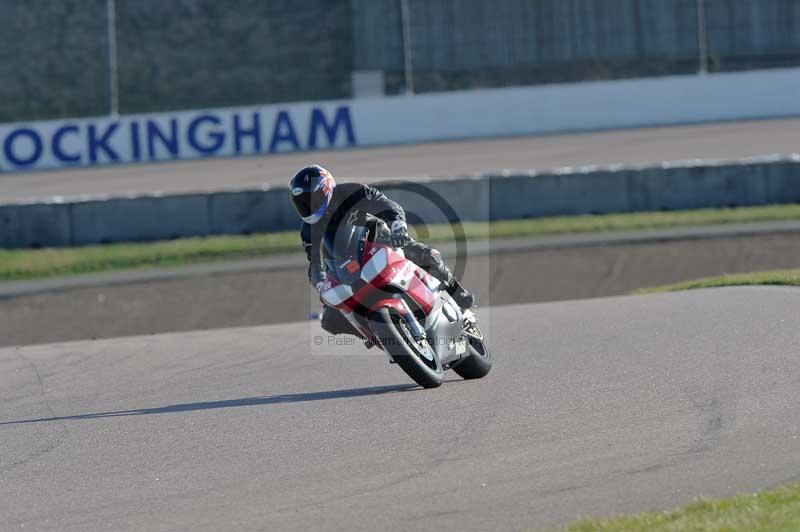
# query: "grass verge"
{"points": [[22, 264], [35, 264], [773, 510], [774, 277]]}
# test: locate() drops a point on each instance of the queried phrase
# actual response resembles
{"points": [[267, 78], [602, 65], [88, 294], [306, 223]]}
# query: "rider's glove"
{"points": [[400, 236]]}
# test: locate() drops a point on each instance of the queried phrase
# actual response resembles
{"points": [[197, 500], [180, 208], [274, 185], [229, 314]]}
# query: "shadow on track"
{"points": [[233, 403]]}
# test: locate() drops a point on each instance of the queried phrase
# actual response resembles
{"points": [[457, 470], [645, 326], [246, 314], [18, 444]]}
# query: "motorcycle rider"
{"points": [[323, 205]]}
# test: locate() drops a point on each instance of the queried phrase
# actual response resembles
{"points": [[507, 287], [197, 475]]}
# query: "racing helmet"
{"points": [[311, 189]]}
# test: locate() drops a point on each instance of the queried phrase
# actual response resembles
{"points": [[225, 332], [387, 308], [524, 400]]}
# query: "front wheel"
{"points": [[479, 361], [416, 357]]}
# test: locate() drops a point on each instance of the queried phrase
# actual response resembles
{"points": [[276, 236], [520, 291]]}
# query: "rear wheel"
{"points": [[415, 356], [479, 361]]}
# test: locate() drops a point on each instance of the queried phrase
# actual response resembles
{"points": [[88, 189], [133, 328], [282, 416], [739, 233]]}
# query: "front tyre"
{"points": [[479, 361], [416, 357]]}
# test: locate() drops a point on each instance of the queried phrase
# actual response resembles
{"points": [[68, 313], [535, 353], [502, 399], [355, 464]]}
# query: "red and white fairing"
{"points": [[382, 267]]}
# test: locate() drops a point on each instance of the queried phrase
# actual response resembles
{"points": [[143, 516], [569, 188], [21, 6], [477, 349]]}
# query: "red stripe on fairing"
{"points": [[376, 284], [368, 245], [353, 302], [416, 289], [420, 293]]}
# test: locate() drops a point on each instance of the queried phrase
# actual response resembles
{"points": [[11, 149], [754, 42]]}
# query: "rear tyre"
{"points": [[479, 361], [417, 358]]}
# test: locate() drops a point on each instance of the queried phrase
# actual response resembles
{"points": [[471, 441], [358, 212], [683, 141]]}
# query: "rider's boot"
{"points": [[463, 297], [431, 260], [437, 267], [460, 295]]}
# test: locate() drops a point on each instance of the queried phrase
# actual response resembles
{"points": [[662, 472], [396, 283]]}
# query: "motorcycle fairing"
{"points": [[383, 267]]}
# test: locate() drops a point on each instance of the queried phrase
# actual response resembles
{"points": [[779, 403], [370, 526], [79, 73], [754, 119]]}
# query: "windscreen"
{"points": [[342, 252]]}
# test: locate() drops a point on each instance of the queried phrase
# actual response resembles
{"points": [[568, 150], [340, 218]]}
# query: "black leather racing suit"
{"points": [[350, 203]]}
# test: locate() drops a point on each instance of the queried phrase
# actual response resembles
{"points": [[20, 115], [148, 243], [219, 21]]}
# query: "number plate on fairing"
{"points": [[461, 347]]}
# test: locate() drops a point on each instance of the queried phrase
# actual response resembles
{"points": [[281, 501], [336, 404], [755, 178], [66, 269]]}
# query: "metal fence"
{"points": [[458, 44], [75, 58]]}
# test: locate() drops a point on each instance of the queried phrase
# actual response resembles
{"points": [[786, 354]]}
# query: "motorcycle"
{"points": [[400, 307]]}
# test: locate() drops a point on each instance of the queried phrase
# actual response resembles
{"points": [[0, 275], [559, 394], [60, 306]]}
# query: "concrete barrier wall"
{"points": [[273, 129], [39, 225], [588, 190]]}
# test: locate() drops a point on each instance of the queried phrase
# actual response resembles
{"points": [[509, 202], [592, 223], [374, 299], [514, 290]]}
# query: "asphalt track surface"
{"points": [[593, 407], [730, 140]]}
